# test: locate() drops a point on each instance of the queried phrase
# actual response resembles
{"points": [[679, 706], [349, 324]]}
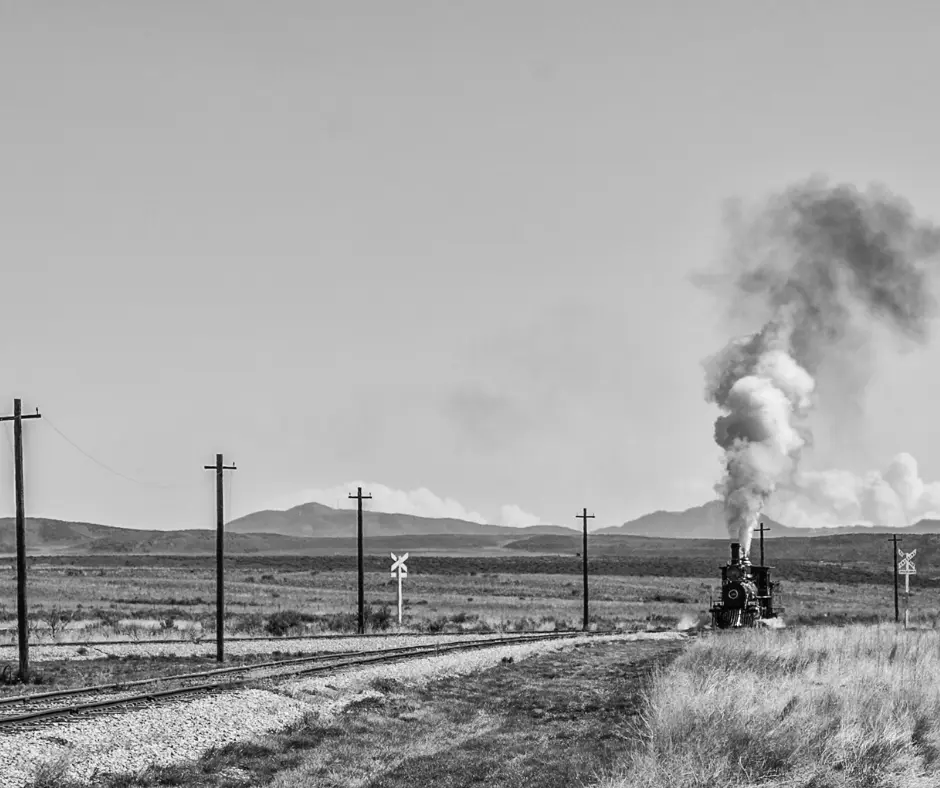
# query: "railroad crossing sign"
{"points": [[906, 567], [399, 570], [399, 564]]}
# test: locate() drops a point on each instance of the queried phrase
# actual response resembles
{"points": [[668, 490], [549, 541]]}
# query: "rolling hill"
{"points": [[314, 529], [317, 520], [707, 522]]}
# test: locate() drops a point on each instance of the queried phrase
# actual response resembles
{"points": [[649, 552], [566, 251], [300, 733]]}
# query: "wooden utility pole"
{"points": [[584, 517], [219, 467], [761, 532], [21, 623], [894, 560], [362, 599]]}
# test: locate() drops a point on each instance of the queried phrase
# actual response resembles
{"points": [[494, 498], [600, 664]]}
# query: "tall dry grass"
{"points": [[815, 708]]}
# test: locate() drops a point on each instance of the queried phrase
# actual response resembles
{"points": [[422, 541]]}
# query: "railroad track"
{"points": [[208, 639], [37, 710]]}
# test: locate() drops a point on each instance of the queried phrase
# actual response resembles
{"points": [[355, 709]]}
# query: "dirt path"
{"points": [[559, 718]]}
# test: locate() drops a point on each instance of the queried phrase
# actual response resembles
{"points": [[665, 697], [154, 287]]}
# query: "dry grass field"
{"points": [[811, 707], [156, 599]]}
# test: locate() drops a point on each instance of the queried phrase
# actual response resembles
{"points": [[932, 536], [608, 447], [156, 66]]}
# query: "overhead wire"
{"points": [[74, 445]]}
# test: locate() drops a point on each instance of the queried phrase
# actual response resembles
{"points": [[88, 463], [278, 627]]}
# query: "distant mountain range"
{"points": [[708, 522], [315, 529]]}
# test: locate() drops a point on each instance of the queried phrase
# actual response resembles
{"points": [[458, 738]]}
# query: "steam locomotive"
{"points": [[747, 594]]}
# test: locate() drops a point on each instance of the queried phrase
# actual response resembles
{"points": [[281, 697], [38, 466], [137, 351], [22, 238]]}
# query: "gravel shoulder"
{"points": [[185, 730]]}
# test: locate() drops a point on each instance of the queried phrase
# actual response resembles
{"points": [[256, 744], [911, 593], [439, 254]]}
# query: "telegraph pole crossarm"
{"points": [[21, 621], [362, 622], [584, 517], [219, 467]]}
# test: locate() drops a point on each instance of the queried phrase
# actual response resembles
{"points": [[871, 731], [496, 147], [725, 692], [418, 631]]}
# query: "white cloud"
{"points": [[513, 516], [420, 503]]}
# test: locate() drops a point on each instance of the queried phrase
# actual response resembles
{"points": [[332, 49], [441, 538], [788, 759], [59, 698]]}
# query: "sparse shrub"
{"points": [[386, 685], [52, 774], [280, 623], [437, 625], [674, 598], [251, 622], [57, 618], [378, 619], [340, 622]]}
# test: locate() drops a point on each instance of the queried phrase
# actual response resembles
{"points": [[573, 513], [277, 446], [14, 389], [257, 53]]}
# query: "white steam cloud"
{"points": [[818, 265], [420, 502], [763, 391], [895, 496]]}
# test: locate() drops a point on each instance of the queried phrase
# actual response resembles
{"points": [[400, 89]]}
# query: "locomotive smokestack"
{"points": [[735, 553]]}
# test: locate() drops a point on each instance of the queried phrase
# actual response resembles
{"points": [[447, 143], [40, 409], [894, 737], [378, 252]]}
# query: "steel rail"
{"points": [[273, 638], [335, 662], [321, 657]]}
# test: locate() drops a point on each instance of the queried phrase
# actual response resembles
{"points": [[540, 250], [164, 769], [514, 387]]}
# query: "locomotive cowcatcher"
{"points": [[747, 594]]}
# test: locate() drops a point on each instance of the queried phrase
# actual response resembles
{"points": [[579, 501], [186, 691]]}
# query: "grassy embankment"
{"points": [[814, 708]]}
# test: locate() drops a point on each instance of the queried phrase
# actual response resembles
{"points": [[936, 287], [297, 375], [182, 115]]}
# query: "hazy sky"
{"points": [[430, 245]]}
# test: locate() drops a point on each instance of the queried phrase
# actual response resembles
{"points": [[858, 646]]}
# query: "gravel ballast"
{"points": [[185, 729]]}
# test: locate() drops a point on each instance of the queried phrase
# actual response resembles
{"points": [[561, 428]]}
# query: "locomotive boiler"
{"points": [[747, 594]]}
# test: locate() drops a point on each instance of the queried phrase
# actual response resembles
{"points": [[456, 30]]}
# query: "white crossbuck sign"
{"points": [[906, 568], [399, 570]]}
